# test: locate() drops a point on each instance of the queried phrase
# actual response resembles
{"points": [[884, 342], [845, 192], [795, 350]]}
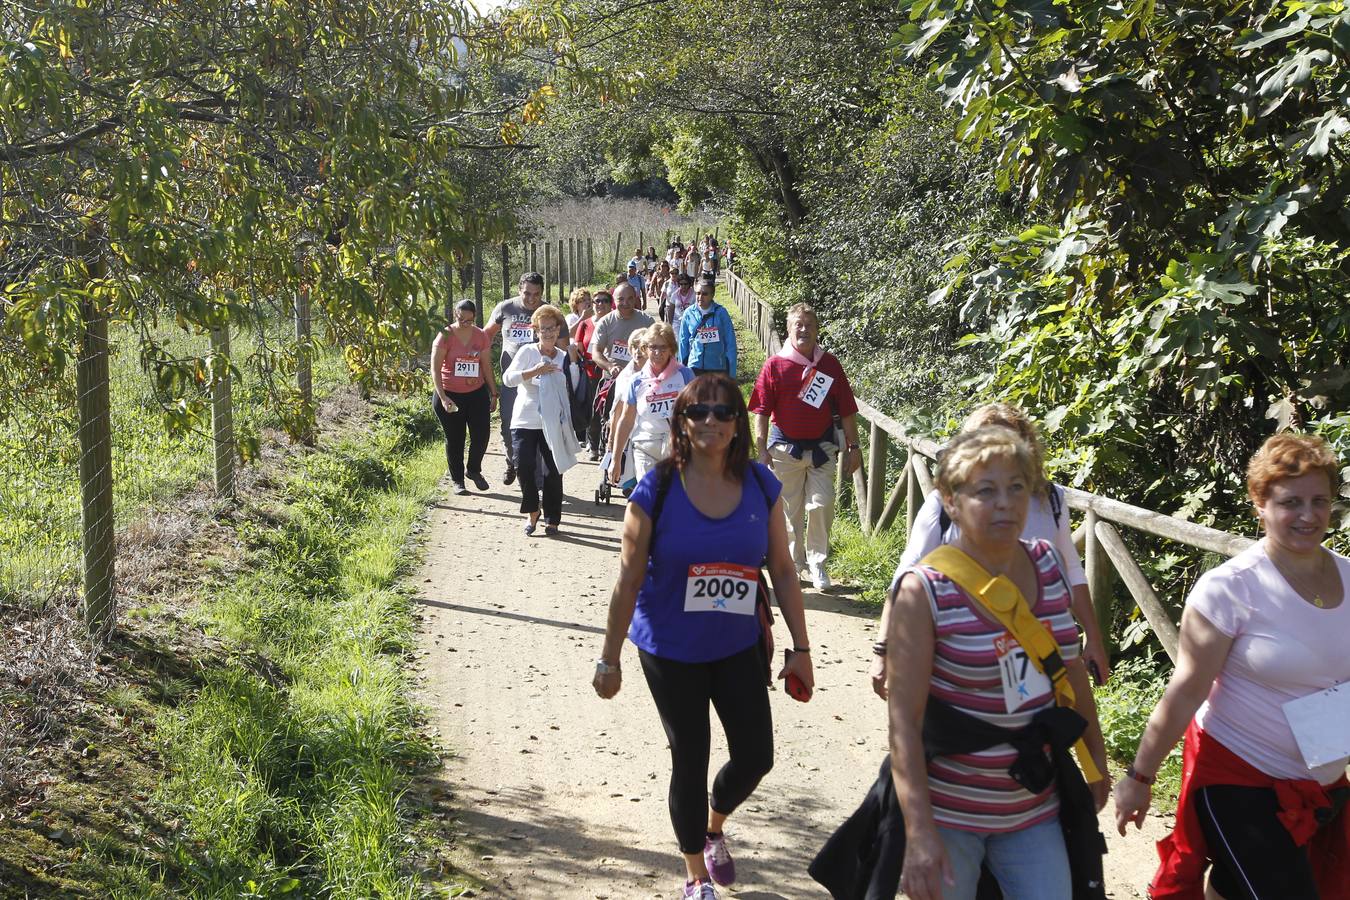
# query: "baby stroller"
{"points": [[602, 408]]}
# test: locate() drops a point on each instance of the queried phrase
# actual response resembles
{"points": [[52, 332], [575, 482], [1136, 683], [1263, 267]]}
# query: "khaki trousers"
{"points": [[808, 501]]}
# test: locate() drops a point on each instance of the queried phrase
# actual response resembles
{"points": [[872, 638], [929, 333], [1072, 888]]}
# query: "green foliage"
{"points": [[1123, 705], [288, 767], [1182, 292]]}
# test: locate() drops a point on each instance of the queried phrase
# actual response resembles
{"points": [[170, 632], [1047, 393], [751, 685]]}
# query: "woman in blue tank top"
{"points": [[698, 528]]}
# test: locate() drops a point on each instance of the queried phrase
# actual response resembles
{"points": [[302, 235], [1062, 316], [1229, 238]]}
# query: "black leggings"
{"points": [[530, 447], [682, 691], [473, 411], [1254, 857]]}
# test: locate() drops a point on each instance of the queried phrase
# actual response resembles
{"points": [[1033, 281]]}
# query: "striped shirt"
{"points": [[973, 791]]}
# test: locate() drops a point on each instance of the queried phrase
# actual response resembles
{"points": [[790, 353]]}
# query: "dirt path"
{"points": [[562, 795]]}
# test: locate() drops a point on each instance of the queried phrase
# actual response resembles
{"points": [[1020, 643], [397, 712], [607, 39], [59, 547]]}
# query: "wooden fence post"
{"points": [[1099, 576], [548, 269], [506, 270], [877, 445], [304, 372], [590, 260], [562, 275], [97, 526], [913, 492], [449, 293], [1140, 589], [222, 411], [572, 262], [534, 257], [617, 241], [478, 284]]}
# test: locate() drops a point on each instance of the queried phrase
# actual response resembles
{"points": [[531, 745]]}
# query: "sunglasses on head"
{"points": [[697, 412]]}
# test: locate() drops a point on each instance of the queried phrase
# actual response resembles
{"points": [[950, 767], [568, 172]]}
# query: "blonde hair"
{"points": [[548, 313], [802, 309], [636, 340], [971, 449], [661, 331], [1006, 415], [577, 296], [1290, 456]]}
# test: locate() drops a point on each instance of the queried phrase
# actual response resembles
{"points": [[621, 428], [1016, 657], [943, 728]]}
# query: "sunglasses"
{"points": [[698, 412]]}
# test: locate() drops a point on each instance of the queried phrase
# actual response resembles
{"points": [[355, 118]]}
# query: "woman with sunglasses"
{"points": [[649, 403], [698, 636], [541, 422]]}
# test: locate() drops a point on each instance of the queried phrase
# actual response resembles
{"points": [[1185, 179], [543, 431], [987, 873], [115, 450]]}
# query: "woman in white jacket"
{"points": [[541, 422]]}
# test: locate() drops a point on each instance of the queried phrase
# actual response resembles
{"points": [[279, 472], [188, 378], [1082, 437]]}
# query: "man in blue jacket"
{"points": [[706, 335]]}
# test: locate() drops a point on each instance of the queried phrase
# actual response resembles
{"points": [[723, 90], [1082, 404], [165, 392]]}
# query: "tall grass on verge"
{"points": [[289, 766], [865, 560]]}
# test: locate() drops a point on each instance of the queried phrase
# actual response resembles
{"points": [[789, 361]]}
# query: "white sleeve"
{"points": [[1073, 566], [526, 358], [924, 537]]}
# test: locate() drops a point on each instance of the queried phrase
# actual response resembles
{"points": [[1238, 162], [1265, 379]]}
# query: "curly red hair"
{"points": [[1290, 456]]}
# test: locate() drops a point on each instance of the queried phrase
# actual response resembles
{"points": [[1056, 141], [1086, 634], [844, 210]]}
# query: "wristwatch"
{"points": [[604, 668], [853, 447]]}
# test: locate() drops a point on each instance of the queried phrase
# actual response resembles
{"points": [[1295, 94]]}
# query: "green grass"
{"points": [[39, 459], [1123, 705], [289, 765], [865, 560]]}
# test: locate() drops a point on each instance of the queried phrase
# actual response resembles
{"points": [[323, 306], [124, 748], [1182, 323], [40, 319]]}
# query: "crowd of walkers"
{"points": [[988, 650]]}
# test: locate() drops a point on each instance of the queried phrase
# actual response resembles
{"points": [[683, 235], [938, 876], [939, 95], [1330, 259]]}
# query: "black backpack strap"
{"points": [[665, 475], [1056, 496]]}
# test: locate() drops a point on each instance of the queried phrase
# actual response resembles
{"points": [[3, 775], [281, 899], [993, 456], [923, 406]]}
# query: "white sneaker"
{"points": [[820, 579]]}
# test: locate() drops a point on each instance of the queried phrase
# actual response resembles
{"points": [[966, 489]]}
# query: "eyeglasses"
{"points": [[659, 348], [549, 329], [698, 412]]}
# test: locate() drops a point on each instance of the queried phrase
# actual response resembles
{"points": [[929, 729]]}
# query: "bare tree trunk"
{"points": [[97, 526]]}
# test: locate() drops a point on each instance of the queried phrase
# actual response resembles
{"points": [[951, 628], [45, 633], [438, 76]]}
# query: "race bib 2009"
{"points": [[721, 587], [466, 367], [816, 388], [1022, 680]]}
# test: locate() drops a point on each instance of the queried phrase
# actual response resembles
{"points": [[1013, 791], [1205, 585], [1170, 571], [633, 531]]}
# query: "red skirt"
{"points": [[1184, 854]]}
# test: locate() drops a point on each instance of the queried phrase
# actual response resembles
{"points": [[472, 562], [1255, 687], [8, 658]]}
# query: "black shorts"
{"points": [[1254, 857]]}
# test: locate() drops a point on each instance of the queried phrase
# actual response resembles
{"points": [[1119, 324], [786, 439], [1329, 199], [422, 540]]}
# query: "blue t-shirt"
{"points": [[687, 541]]}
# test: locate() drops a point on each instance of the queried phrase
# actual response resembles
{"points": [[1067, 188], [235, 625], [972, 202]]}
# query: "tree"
{"points": [[1186, 279]]}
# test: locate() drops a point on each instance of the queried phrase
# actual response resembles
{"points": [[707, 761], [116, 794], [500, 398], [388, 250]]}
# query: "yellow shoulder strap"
{"points": [[1005, 602]]}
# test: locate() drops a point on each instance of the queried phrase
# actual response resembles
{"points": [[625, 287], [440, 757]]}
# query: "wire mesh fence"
{"points": [[56, 483]]}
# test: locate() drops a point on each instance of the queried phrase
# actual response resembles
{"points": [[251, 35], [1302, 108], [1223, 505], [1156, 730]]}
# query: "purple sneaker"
{"points": [[699, 890], [721, 866]]}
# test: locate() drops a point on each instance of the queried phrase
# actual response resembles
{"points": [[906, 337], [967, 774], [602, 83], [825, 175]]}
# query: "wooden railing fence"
{"points": [[879, 498]]}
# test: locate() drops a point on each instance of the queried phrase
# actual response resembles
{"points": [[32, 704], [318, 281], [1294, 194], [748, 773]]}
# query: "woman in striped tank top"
{"points": [[965, 810]]}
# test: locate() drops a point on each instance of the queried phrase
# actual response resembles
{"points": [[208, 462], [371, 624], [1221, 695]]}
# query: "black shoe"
{"points": [[595, 456], [460, 488], [551, 528], [479, 482], [510, 476]]}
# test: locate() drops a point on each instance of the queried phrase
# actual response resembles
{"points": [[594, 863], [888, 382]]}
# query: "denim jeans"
{"points": [[1029, 864]]}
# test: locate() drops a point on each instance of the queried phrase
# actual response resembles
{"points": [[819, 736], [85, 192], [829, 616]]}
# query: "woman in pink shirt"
{"points": [[466, 393]]}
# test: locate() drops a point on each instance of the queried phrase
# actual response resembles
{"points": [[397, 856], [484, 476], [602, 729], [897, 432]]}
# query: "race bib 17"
{"points": [[721, 587], [1022, 680], [816, 388], [707, 336], [466, 367]]}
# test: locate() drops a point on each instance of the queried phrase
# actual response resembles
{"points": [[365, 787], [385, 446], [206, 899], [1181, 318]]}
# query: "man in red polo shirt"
{"points": [[802, 388]]}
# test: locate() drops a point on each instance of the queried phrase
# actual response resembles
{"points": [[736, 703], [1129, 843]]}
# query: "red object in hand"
{"points": [[795, 687]]}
